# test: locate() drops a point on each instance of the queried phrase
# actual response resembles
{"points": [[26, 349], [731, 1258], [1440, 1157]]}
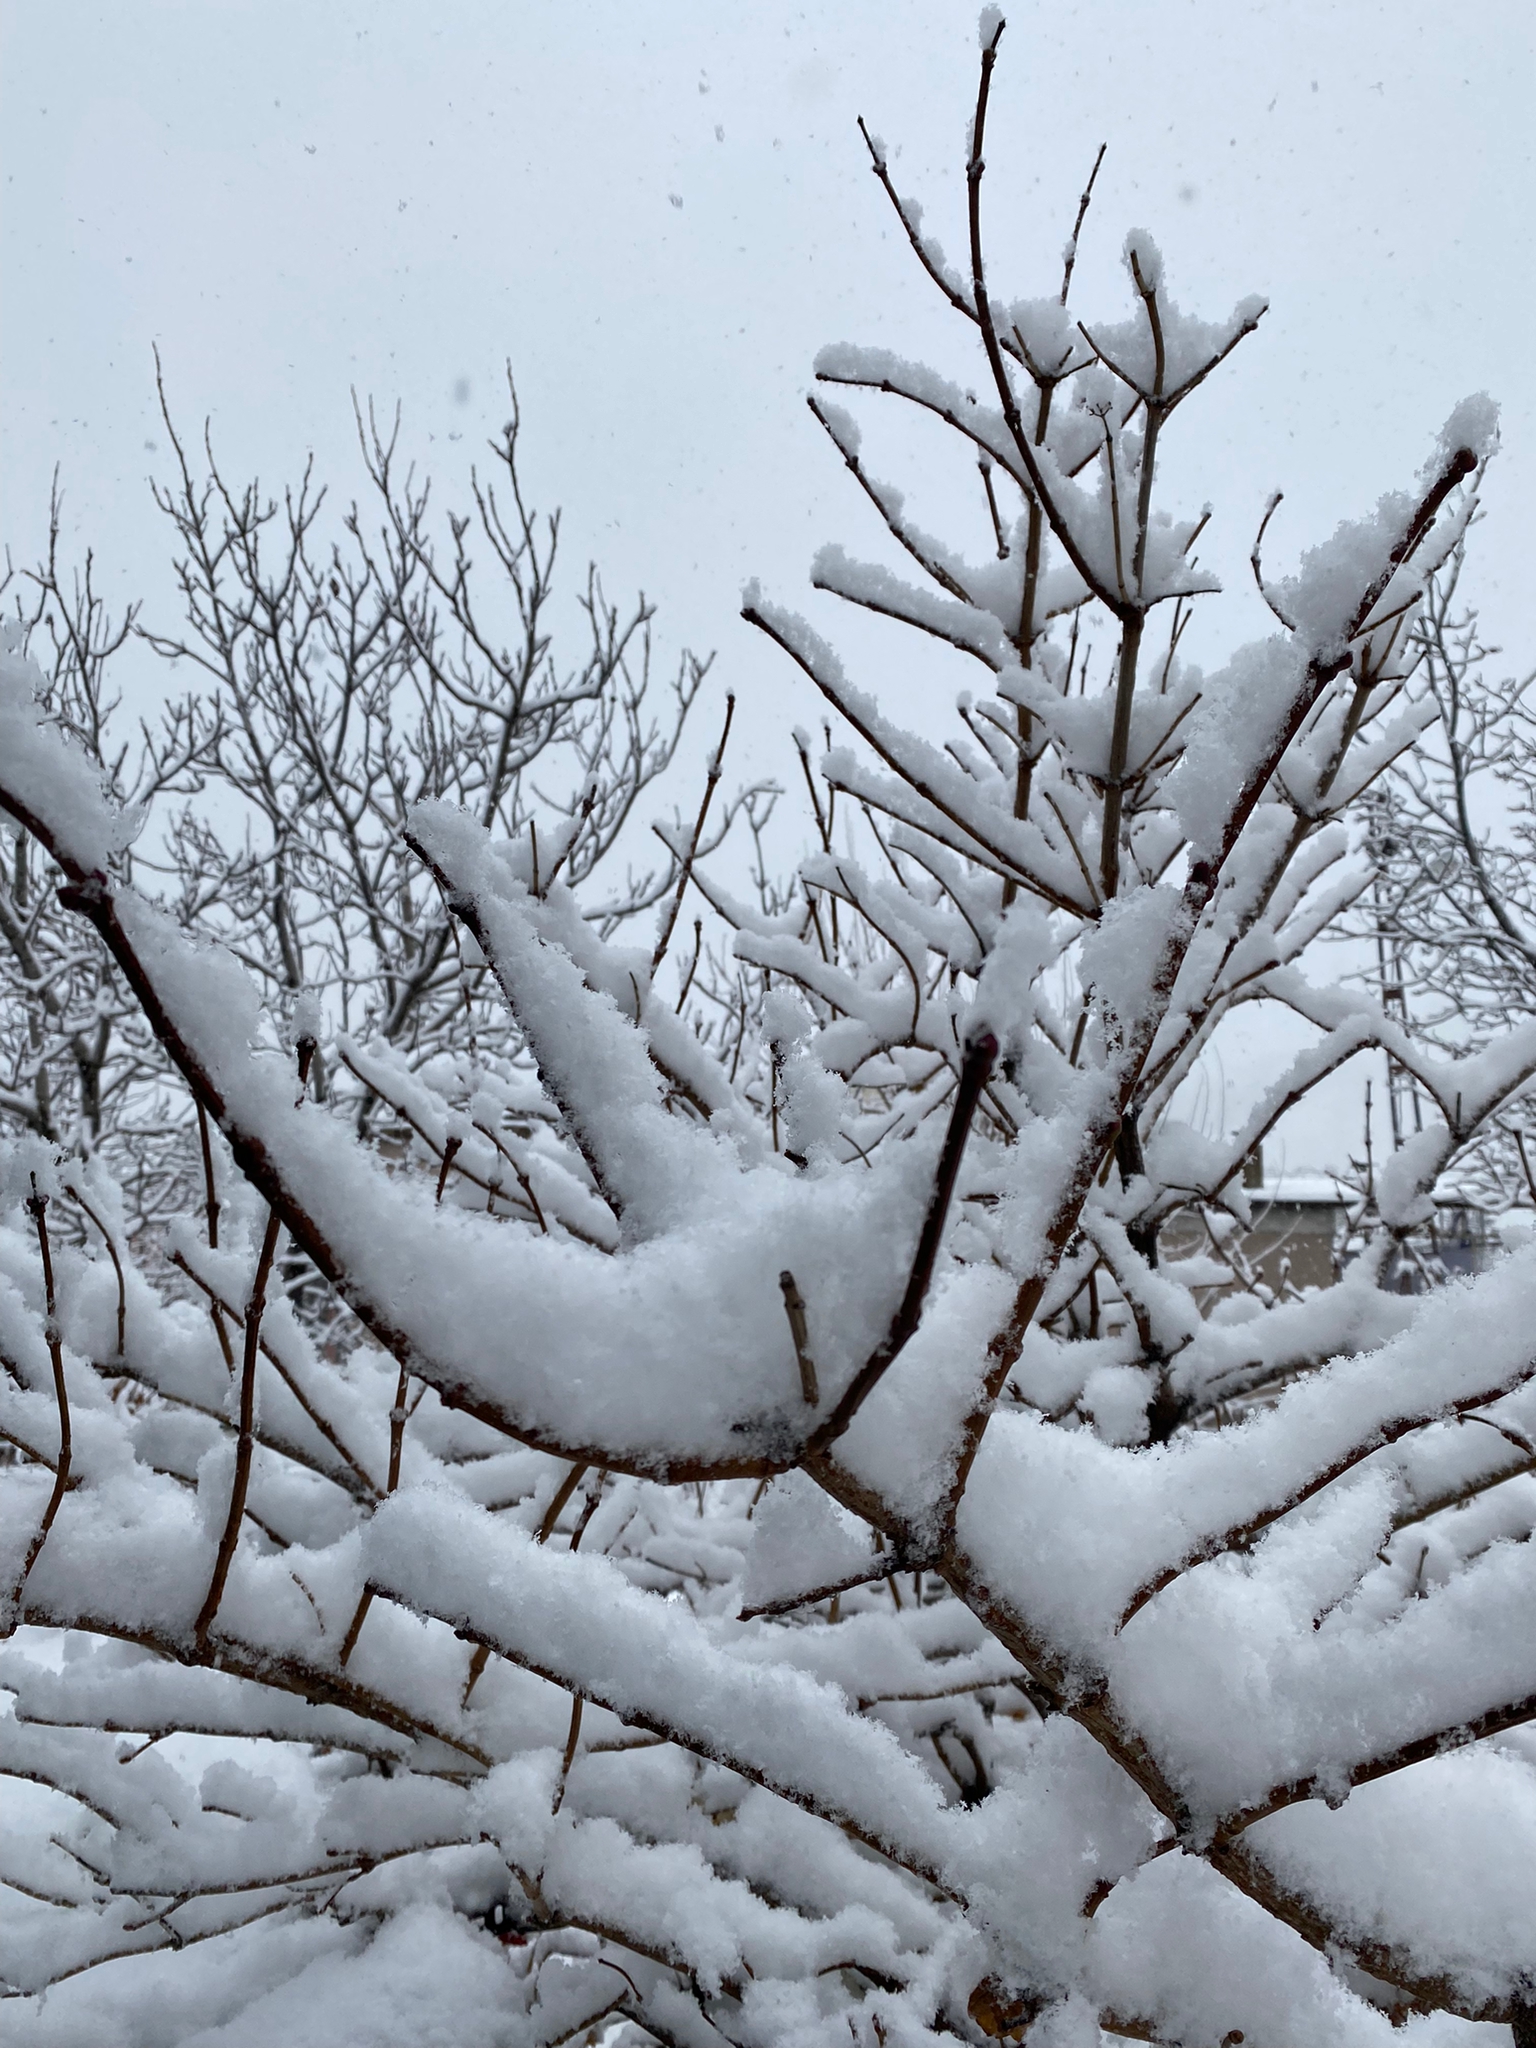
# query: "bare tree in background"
{"points": [[783, 1557], [321, 686], [78, 1064], [1451, 837]]}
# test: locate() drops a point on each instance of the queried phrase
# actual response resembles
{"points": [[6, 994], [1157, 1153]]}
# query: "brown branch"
{"points": [[1241, 1535], [573, 1735], [970, 839], [80, 1202], [1070, 258], [1055, 1686], [794, 1308], [997, 525], [1255, 562], [1517, 1437], [571, 1740], [877, 164], [1199, 891], [1465, 1490], [475, 1673], [717, 760], [319, 1684], [888, 608], [1462, 463], [879, 1567], [37, 1208], [246, 1439], [369, 1489], [526, 1184], [1011, 418], [397, 1420], [1238, 1863], [447, 1156], [693, 966], [452, 1146], [556, 1508], [355, 1626], [980, 1056], [213, 1225], [1477, 1728], [896, 526], [601, 1692]]}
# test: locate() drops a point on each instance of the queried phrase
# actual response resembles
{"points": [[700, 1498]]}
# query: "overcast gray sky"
{"points": [[659, 211]]}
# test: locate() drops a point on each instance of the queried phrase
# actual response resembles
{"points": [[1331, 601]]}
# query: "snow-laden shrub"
{"points": [[779, 1558]]}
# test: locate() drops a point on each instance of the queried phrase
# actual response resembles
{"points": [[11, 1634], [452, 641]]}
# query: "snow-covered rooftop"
{"points": [[1298, 1187]]}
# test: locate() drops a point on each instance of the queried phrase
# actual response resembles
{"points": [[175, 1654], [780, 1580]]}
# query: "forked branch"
{"points": [[975, 1070]]}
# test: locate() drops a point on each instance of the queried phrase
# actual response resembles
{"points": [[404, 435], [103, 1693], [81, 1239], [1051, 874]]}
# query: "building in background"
{"points": [[1306, 1229]]}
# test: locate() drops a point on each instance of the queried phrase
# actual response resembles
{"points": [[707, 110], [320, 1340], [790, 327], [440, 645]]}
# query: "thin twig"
{"points": [[37, 1207], [563, 1492], [397, 1420], [997, 524], [270, 1353], [973, 172], [213, 1193], [794, 1308], [452, 1145], [80, 1202], [213, 1228], [246, 1439], [693, 965], [476, 1671], [572, 1738], [1256, 564], [717, 760], [1077, 226], [980, 1056], [523, 1180], [878, 165]]}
